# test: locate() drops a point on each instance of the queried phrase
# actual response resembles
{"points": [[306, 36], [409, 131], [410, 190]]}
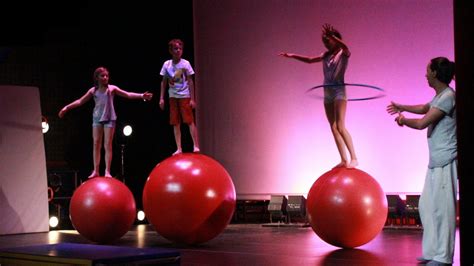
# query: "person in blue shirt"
{"points": [[437, 205]]}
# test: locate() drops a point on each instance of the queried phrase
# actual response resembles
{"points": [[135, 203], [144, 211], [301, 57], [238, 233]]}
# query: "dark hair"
{"points": [[97, 73], [174, 42], [444, 69]]}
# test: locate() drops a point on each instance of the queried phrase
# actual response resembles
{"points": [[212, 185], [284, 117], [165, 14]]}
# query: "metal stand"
{"points": [[122, 165]]}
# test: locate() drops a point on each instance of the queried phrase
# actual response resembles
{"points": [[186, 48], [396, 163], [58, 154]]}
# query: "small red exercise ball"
{"points": [[189, 198], [102, 209], [346, 207]]}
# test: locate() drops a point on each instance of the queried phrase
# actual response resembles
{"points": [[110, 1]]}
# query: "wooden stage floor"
{"points": [[254, 244]]}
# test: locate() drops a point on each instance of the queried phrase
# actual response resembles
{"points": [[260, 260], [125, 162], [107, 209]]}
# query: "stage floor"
{"points": [[254, 244]]}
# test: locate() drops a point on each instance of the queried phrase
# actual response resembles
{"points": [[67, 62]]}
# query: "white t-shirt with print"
{"points": [[177, 75]]}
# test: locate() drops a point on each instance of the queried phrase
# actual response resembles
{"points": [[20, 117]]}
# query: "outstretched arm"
{"points": [[394, 108], [432, 116], [85, 98], [133, 95], [302, 58]]}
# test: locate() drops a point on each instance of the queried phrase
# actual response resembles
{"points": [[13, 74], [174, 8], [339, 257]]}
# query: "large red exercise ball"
{"points": [[346, 207], [189, 198], [102, 209]]}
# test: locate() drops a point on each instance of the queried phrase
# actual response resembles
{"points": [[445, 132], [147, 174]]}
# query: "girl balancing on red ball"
{"points": [[335, 61], [103, 116]]}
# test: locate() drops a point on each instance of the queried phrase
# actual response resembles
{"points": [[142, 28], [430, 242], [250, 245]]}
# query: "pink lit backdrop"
{"points": [[255, 117]]}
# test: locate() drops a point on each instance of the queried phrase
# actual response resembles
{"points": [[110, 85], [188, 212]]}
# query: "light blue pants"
{"points": [[437, 209]]}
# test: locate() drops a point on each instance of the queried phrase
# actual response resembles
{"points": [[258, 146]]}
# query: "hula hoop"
{"points": [[382, 94]]}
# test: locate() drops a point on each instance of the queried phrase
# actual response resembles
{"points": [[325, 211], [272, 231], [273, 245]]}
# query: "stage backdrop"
{"points": [[255, 116], [23, 182]]}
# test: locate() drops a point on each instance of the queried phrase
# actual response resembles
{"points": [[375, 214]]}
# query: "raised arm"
{"points": [[328, 31], [85, 98], [302, 58]]}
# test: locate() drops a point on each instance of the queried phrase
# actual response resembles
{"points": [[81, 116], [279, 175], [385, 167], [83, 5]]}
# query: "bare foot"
{"points": [[107, 174], [341, 164], [196, 149], [353, 164], [178, 151], [94, 174]]}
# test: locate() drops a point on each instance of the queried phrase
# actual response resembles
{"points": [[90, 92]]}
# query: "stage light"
{"points": [[127, 130], [53, 221], [140, 215], [44, 124]]}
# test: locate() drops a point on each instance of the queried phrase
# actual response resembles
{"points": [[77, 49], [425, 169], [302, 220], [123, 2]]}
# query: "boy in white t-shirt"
{"points": [[177, 73]]}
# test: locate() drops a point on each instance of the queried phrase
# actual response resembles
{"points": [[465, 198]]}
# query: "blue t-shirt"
{"points": [[442, 141]]}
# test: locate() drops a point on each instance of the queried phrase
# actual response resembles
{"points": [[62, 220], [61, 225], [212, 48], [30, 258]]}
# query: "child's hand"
{"points": [[147, 96], [327, 30], [162, 104], [285, 54], [62, 112]]}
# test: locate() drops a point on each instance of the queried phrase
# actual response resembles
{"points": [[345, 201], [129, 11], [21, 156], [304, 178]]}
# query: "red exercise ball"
{"points": [[346, 207], [189, 198], [102, 209]]}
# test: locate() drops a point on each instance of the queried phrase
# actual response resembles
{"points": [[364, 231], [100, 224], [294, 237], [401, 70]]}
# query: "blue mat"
{"points": [[89, 254]]}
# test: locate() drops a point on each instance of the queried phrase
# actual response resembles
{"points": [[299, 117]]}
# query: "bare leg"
{"points": [[331, 116], [108, 138], [340, 108], [177, 138], [194, 136], [97, 136]]}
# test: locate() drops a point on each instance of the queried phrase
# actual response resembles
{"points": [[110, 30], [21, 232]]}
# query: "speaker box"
{"points": [[296, 205], [278, 204], [296, 209], [277, 207]]}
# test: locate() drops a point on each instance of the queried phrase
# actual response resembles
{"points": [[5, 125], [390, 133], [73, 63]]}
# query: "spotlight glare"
{"points": [[141, 215], [127, 130], [53, 221]]}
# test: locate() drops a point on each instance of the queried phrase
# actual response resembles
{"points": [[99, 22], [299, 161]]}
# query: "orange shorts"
{"points": [[181, 109]]}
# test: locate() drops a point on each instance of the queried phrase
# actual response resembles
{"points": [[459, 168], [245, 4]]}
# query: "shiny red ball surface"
{"points": [[102, 209], [189, 198], [346, 207]]}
